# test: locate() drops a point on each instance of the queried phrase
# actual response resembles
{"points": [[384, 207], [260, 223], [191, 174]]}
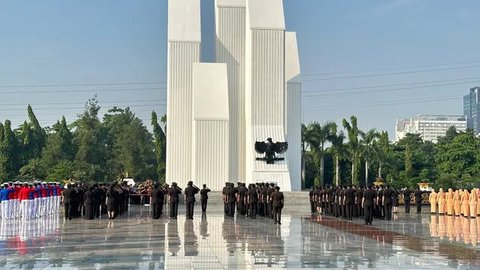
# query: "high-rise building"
{"points": [[430, 127], [471, 109], [252, 92]]}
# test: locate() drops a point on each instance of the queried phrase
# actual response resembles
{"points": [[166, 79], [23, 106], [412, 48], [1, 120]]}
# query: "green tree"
{"points": [[8, 148], [316, 137], [354, 147], [368, 149], [338, 151], [160, 141]]}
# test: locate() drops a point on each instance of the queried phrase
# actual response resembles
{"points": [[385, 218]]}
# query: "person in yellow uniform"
{"points": [[473, 203], [465, 203], [449, 198], [441, 201], [478, 203], [432, 199], [456, 202]]}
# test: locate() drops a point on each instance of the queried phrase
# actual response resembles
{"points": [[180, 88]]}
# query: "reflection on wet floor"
{"points": [[457, 229], [213, 241]]}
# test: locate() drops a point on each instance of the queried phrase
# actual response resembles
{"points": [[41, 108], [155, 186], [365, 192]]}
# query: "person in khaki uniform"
{"points": [[432, 199], [456, 203], [473, 203], [441, 201], [449, 198], [465, 203]]}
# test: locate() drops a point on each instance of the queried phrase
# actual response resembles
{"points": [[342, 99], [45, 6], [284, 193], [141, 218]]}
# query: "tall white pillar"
{"points": [[265, 87], [184, 37], [293, 110], [210, 163], [230, 49]]}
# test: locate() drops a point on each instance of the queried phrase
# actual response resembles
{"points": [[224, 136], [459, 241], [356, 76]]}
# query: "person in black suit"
{"points": [[368, 199], [68, 194], [112, 200], [88, 200], [156, 201], [190, 192], [349, 200], [418, 199], [231, 198], [387, 202], [278, 202], [406, 198], [241, 196], [204, 197], [252, 199], [174, 198]]}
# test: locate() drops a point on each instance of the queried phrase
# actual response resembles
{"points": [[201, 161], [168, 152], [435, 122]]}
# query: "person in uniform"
{"points": [[224, 197], [407, 198], [231, 199], [387, 202], [441, 201], [174, 198], [278, 202], [190, 192], [88, 198], [112, 200], [449, 199], [241, 197], [418, 199], [456, 203], [432, 199], [204, 197], [68, 194], [252, 199], [312, 200], [156, 201], [368, 203], [270, 191], [349, 201], [358, 200]]}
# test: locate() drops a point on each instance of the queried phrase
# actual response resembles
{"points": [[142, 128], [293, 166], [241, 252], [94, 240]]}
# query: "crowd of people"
{"points": [[263, 199], [29, 200], [459, 202], [93, 201], [358, 202]]}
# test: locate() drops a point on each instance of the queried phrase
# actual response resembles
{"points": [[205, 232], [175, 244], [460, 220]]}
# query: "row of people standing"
{"points": [[29, 200], [355, 202], [263, 199], [93, 201], [459, 202]]}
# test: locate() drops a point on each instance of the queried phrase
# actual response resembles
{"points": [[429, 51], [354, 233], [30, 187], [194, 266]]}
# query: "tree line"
{"points": [[89, 149], [360, 157]]}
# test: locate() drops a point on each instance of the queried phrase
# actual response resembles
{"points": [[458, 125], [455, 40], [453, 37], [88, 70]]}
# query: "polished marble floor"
{"points": [[212, 241]]}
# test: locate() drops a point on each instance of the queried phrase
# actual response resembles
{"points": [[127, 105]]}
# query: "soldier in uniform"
{"points": [[252, 199], [270, 191], [68, 194], [190, 192], [204, 197], [278, 202], [406, 198], [88, 198], [367, 203], [174, 198], [349, 201], [312, 200], [418, 199], [156, 201], [241, 197], [358, 200], [231, 198], [387, 201], [224, 197]]}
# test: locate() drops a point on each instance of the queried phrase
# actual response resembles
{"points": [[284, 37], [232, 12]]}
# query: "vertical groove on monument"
{"points": [[293, 112], [230, 49], [183, 50]]}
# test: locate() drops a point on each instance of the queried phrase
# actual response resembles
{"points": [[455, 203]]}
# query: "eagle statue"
{"points": [[270, 149]]}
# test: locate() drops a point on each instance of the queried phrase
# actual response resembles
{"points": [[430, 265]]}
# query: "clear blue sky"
{"points": [[80, 45]]}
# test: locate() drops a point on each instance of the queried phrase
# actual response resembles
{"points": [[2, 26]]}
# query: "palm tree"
{"points": [[338, 151], [382, 152], [353, 149], [316, 137], [368, 149], [304, 135]]}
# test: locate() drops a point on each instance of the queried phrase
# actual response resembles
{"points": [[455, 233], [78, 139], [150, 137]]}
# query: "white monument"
{"points": [[254, 95]]}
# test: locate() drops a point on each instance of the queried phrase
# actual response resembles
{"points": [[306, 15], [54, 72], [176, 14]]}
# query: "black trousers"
{"points": [[154, 213], [407, 206], [88, 211], [68, 210], [173, 210], [277, 214], [190, 206], [388, 211], [204, 205], [419, 207], [368, 214], [312, 207], [270, 210], [253, 210], [242, 208], [349, 210], [96, 209], [231, 209]]}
